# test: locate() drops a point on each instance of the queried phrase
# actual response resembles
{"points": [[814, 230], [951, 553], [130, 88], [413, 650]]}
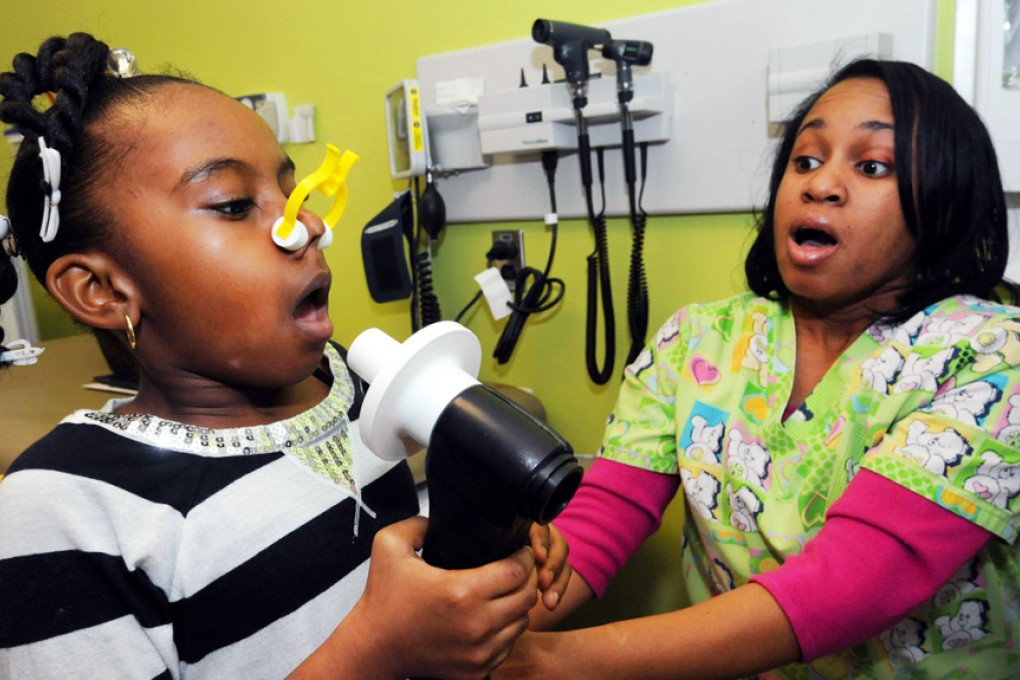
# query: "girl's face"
{"points": [[841, 240], [193, 204]]}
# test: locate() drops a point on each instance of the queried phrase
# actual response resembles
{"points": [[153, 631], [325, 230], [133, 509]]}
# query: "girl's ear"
{"points": [[94, 289]]}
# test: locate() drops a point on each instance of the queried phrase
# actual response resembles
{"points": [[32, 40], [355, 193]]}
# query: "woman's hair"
{"points": [[72, 73], [950, 191]]}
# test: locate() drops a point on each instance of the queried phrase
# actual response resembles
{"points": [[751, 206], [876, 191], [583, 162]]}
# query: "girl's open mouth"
{"points": [[312, 313]]}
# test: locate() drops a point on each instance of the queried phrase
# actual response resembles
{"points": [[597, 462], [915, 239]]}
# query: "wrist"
{"points": [[352, 650]]}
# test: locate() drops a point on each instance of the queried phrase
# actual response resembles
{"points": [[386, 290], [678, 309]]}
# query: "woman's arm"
{"points": [[617, 507], [726, 637], [837, 593]]}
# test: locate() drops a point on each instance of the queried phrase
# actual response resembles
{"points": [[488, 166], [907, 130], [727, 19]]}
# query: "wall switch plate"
{"points": [[510, 265]]}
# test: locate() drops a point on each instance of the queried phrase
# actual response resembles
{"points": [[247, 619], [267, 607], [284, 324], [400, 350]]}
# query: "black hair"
{"points": [[950, 192], [72, 73]]}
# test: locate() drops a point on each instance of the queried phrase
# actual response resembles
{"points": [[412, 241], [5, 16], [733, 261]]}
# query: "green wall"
{"points": [[343, 57]]}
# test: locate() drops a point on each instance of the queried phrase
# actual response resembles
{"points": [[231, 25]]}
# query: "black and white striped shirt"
{"points": [[141, 548]]}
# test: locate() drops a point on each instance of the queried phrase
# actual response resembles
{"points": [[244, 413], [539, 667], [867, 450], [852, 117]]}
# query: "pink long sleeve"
{"points": [[617, 507], [882, 552]]}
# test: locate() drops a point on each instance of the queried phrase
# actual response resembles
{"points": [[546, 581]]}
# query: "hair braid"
{"points": [[72, 71]]}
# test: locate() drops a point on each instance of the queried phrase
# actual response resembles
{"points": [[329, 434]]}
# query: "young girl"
{"points": [[219, 524], [845, 436]]}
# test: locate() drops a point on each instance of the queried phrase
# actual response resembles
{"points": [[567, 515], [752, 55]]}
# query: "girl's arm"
{"points": [[415, 620]]}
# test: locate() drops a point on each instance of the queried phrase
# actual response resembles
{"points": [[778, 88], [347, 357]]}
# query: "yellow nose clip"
{"points": [[331, 179]]}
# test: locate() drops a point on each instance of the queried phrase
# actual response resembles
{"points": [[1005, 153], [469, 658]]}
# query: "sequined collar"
{"points": [[319, 438]]}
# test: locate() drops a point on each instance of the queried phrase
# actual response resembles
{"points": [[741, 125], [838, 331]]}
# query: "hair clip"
{"points": [[21, 353], [51, 200], [331, 179], [121, 64], [7, 242]]}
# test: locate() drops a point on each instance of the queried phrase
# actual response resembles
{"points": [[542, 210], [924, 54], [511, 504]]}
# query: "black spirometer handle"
{"points": [[492, 469]]}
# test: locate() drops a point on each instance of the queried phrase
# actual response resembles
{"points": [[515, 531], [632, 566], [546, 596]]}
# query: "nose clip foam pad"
{"points": [[326, 240], [296, 236], [331, 179]]}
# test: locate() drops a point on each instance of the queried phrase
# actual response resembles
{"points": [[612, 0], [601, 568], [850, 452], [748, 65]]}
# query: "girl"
{"points": [[218, 524]]}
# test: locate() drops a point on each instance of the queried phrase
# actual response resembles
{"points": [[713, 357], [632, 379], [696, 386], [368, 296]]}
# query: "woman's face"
{"points": [[842, 244], [193, 203]]}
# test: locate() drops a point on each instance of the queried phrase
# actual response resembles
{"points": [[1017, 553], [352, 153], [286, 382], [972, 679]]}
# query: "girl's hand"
{"points": [[415, 620], [550, 550]]}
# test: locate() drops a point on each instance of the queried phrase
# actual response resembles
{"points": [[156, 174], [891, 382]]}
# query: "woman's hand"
{"points": [[415, 620], [550, 550]]}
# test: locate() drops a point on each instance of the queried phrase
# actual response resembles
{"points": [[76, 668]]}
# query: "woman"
{"points": [[845, 435]]}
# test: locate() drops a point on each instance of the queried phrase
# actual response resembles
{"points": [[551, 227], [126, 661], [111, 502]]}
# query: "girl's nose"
{"points": [[319, 232], [307, 228]]}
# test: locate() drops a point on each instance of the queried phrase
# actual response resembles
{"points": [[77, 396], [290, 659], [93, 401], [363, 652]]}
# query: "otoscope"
{"points": [[570, 44], [492, 468], [627, 53]]}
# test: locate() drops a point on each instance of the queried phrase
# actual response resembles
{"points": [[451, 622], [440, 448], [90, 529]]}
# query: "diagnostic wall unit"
{"points": [[717, 59]]}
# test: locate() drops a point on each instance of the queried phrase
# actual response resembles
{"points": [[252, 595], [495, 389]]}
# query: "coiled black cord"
{"points": [[534, 291], [424, 303], [427, 301], [598, 278], [637, 284]]}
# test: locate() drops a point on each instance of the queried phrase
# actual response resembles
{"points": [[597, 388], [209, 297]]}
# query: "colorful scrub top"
{"points": [[932, 404]]}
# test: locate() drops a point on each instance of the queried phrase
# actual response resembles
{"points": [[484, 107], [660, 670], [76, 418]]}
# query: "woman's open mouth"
{"points": [[813, 238], [811, 244]]}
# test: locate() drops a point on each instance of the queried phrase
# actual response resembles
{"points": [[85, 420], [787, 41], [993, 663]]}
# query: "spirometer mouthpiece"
{"points": [[570, 43], [411, 383], [492, 468]]}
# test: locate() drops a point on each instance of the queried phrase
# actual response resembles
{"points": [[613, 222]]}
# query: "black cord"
{"points": [[598, 276], [534, 291], [471, 303], [427, 300], [415, 245], [637, 285], [425, 308]]}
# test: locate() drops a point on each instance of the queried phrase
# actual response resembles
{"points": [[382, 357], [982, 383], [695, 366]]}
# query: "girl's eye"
{"points": [[805, 163], [875, 168], [236, 208]]}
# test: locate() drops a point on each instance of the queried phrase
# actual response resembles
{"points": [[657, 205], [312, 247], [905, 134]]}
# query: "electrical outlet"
{"points": [[507, 253]]}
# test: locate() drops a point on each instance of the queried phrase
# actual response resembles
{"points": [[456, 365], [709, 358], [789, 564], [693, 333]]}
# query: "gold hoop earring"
{"points": [[132, 340]]}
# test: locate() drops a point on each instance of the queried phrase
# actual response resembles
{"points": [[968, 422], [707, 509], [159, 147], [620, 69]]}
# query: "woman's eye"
{"points": [[237, 208], [875, 168], [805, 163]]}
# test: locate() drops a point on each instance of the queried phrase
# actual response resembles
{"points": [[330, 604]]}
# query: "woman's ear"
{"points": [[94, 289]]}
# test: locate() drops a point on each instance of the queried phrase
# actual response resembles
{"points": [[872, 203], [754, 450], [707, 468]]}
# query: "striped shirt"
{"points": [[141, 548]]}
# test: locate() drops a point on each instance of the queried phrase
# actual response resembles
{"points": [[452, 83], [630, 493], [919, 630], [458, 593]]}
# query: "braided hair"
{"points": [[72, 73]]}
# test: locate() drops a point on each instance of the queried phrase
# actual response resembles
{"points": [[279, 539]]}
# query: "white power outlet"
{"points": [[511, 262]]}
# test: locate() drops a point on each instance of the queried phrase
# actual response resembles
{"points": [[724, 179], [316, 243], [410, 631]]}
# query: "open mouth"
{"points": [[808, 236], [313, 307]]}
